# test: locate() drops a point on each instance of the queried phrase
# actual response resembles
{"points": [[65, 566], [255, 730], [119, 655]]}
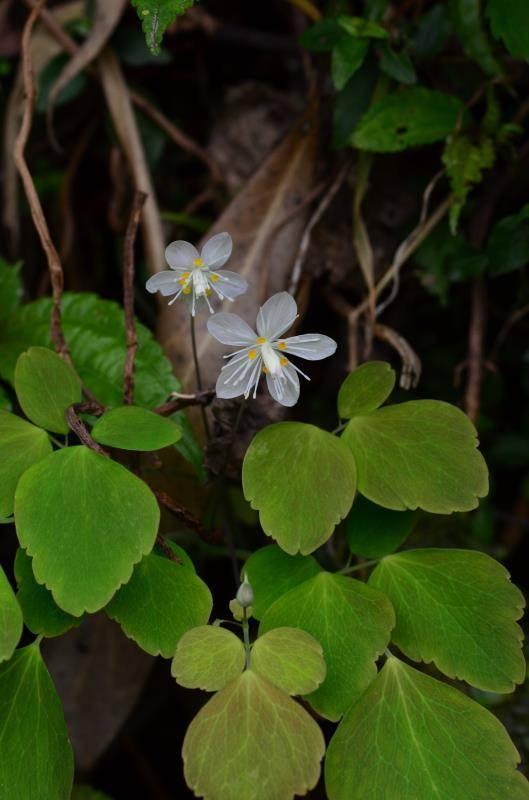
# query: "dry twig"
{"points": [[128, 297]]}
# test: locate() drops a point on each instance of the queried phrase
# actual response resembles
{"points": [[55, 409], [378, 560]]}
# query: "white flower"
{"points": [[196, 277], [265, 351]]}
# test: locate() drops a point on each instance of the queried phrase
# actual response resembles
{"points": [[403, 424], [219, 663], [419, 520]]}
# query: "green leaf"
{"points": [[508, 244], [21, 446], [252, 740], [352, 102], [41, 613], [37, 760], [301, 480], [406, 119], [160, 603], [432, 32], [46, 386], [95, 333], [351, 621], [410, 736], [458, 609], [397, 65], [467, 21], [289, 658], [465, 162], [272, 573], [365, 389], [373, 531], [134, 428], [156, 16], [86, 521], [323, 36], [10, 619], [420, 454], [10, 287], [208, 657], [347, 57], [509, 20], [358, 26]]}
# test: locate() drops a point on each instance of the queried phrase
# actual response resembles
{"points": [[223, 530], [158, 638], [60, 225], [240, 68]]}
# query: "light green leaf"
{"points": [[272, 573], [509, 20], [365, 389], [21, 446], [46, 386], [86, 521], [252, 740], [289, 658], [351, 621], [358, 26], [160, 603], [10, 619], [397, 65], [37, 760], [467, 21], [373, 531], [41, 613], [302, 481], [405, 119], [420, 454], [458, 609], [156, 16], [134, 428], [208, 657], [10, 287], [411, 736], [347, 56], [465, 161]]}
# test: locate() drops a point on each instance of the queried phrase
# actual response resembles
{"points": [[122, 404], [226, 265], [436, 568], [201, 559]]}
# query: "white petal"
{"points": [[230, 284], [231, 329], [285, 391], [233, 379], [217, 250], [277, 315], [312, 346], [165, 282], [180, 255]]}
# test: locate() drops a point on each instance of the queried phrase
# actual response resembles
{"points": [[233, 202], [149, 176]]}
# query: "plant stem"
{"points": [[356, 567], [246, 636], [198, 377]]}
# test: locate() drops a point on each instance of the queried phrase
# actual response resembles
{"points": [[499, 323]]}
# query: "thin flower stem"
{"points": [[340, 427], [356, 567], [57, 442], [246, 635], [199, 377], [38, 640]]}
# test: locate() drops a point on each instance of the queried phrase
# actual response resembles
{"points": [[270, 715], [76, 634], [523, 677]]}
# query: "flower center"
{"points": [[200, 282], [271, 359], [198, 262]]}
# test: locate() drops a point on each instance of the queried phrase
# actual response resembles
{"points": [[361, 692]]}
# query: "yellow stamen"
{"points": [[184, 277], [208, 291], [198, 262], [187, 289], [261, 340], [213, 278], [282, 345], [283, 361], [252, 354]]}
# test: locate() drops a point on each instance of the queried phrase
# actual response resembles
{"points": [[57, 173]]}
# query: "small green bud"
{"points": [[245, 594]]}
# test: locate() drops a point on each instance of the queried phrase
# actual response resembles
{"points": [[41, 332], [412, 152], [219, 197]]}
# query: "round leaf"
{"points": [[160, 603], [208, 658], [86, 521], [302, 481], [365, 389], [290, 659], [37, 760], [458, 609], [411, 736], [252, 740], [421, 454], [272, 573], [21, 446], [45, 386], [10, 619], [373, 531], [351, 621], [134, 428]]}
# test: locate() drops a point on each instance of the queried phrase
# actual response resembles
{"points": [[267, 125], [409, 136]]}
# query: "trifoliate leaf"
{"points": [[10, 287], [373, 531], [465, 162], [37, 760], [41, 613], [252, 740], [208, 657], [272, 573], [411, 736], [458, 609], [86, 521], [156, 16], [347, 56], [21, 446], [365, 389], [289, 658], [420, 454], [45, 386], [405, 119], [134, 428], [160, 603], [509, 20], [350, 620], [467, 20], [10, 619], [302, 481]]}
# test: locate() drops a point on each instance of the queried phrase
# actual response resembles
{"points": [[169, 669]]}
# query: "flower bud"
{"points": [[245, 593]]}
